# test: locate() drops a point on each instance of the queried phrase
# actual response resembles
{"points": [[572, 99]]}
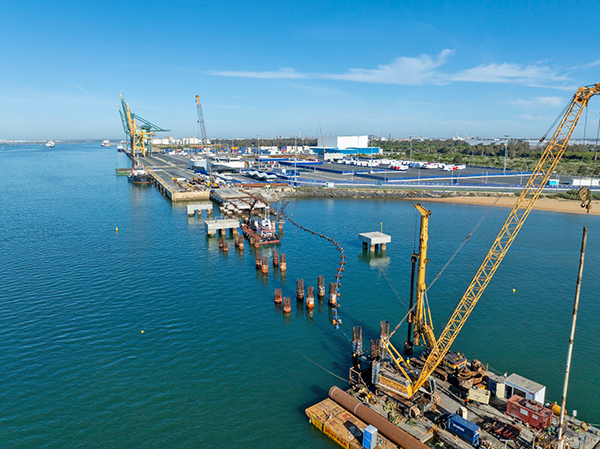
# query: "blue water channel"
{"points": [[217, 364]]}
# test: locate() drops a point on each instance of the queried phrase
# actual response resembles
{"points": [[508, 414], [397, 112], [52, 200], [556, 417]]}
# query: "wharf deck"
{"points": [[341, 426], [172, 180], [173, 190], [226, 194]]}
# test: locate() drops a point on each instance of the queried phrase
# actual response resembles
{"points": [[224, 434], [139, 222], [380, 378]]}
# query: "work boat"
{"points": [[139, 175], [264, 229], [223, 163], [50, 144], [106, 143]]}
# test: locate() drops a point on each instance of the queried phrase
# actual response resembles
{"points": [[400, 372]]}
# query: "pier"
{"points": [[372, 240], [174, 180], [193, 209], [218, 226]]}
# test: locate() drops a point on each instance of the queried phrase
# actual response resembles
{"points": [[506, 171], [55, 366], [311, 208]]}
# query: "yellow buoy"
{"points": [[142, 331], [514, 290], [117, 229]]}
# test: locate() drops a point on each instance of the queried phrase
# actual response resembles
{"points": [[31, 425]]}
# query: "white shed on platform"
{"points": [[526, 388]]}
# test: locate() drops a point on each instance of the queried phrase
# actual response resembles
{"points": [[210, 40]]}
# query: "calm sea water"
{"points": [[217, 363]]}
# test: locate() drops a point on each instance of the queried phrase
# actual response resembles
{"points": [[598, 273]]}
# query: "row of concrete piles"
{"points": [[310, 295]]}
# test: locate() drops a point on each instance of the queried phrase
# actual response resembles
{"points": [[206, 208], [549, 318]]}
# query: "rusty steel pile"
{"points": [[334, 287]]}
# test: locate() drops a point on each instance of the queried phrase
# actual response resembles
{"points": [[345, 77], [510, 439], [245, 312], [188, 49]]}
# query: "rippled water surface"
{"points": [[217, 363]]}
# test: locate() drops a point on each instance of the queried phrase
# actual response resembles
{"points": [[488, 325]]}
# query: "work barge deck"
{"points": [[345, 415]]}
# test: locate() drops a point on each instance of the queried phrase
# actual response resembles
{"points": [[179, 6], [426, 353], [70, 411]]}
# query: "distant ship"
{"points": [[227, 163], [50, 144], [198, 163], [106, 143], [139, 175]]}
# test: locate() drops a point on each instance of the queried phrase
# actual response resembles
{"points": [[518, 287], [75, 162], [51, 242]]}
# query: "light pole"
{"points": [[295, 158], [505, 152]]}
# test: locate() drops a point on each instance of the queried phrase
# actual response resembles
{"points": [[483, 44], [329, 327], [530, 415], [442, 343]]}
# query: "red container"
{"points": [[529, 411]]}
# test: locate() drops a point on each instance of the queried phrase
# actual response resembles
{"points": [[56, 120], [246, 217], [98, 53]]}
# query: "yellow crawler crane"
{"points": [[422, 315], [406, 382]]}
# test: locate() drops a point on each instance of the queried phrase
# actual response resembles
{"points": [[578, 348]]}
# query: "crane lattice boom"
{"points": [[542, 172], [201, 120]]}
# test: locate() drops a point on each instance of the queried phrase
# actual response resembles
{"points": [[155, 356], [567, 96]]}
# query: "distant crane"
{"points": [[322, 140], [138, 130], [204, 140]]}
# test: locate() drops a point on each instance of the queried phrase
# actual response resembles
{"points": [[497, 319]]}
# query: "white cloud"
{"points": [[404, 71], [425, 69], [283, 73], [541, 102], [587, 66], [509, 73], [536, 118]]}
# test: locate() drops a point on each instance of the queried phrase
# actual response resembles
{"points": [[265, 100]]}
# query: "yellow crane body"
{"points": [[422, 315]]}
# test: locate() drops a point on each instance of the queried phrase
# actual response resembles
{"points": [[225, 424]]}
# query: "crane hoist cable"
{"points": [[394, 290], [489, 209]]}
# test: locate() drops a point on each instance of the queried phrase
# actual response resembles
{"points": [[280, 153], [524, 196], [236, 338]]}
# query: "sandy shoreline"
{"points": [[547, 204], [508, 201]]}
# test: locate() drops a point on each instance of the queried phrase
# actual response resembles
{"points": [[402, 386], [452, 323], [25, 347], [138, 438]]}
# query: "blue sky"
{"points": [[264, 68]]}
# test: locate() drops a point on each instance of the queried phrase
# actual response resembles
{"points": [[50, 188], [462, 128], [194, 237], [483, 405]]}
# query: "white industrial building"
{"points": [[337, 147], [344, 142], [590, 182], [175, 141]]}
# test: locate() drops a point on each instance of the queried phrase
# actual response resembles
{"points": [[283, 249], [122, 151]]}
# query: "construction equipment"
{"points": [[421, 315], [398, 376], [322, 140], [138, 130], [204, 140]]}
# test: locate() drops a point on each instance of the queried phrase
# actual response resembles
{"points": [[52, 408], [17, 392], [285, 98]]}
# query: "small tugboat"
{"points": [[50, 144], [139, 175], [260, 230]]}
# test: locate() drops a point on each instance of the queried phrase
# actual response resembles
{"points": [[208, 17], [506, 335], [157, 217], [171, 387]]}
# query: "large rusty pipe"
{"points": [[360, 410]]}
